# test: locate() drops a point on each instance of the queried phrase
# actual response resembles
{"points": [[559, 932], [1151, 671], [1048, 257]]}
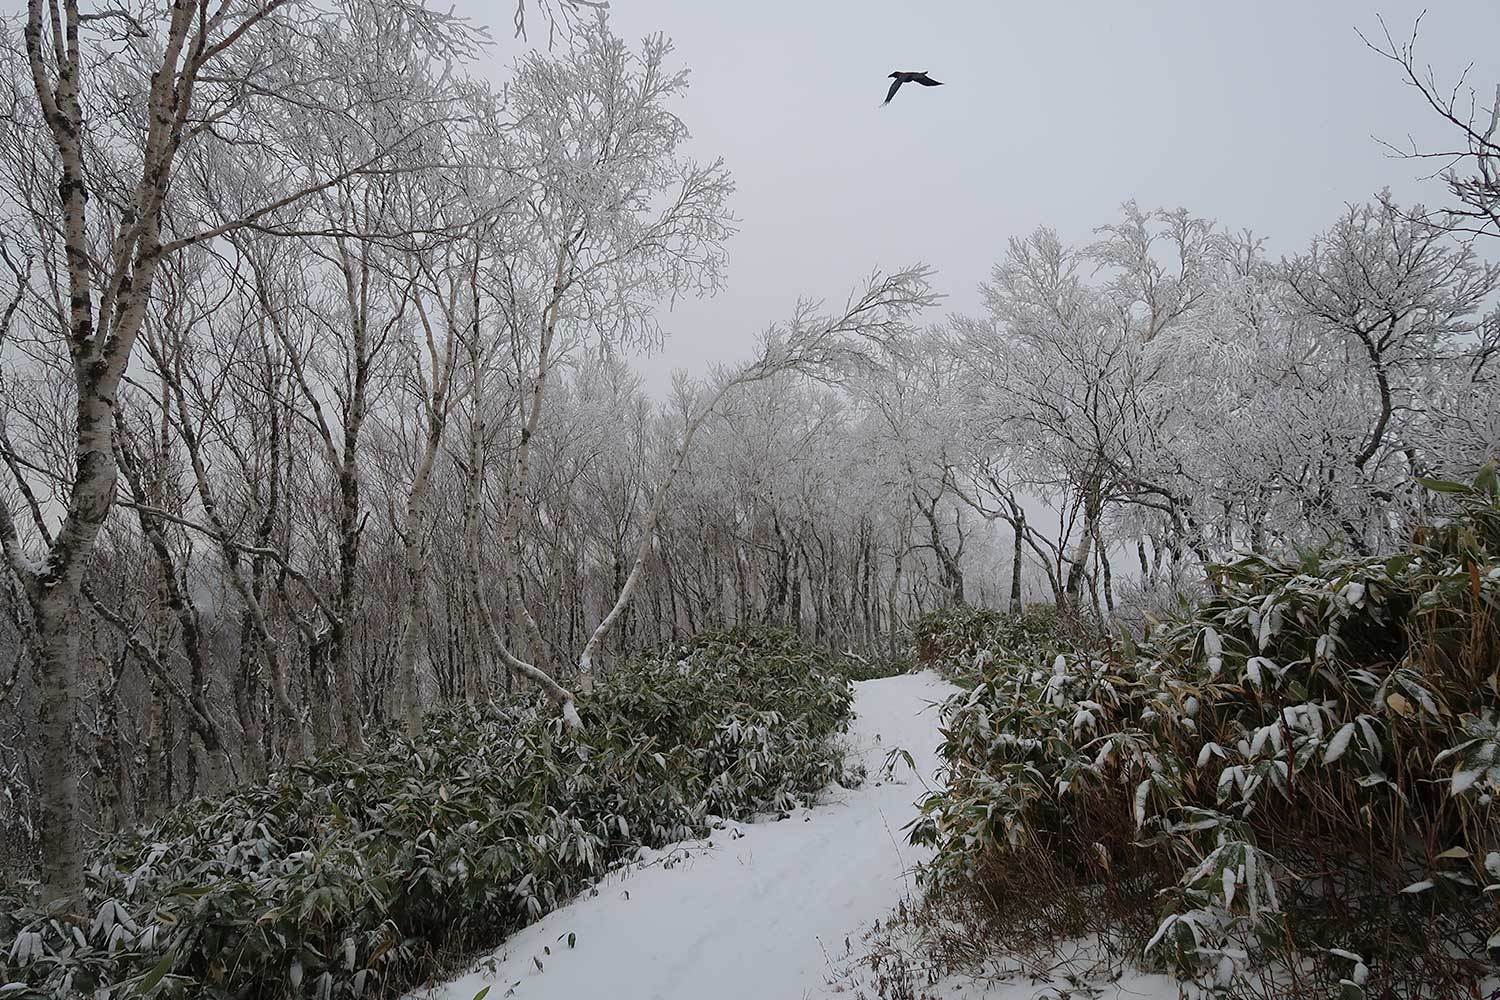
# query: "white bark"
{"points": [[435, 400]]}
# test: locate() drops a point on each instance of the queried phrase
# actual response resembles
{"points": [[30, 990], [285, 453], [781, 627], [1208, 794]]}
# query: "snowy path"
{"points": [[757, 914]]}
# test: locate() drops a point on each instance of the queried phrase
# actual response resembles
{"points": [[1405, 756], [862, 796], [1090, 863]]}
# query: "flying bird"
{"points": [[904, 77]]}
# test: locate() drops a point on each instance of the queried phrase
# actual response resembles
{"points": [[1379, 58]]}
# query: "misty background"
{"points": [[1266, 116]]}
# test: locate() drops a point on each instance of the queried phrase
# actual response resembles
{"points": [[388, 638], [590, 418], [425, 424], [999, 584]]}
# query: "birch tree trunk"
{"points": [[435, 400], [489, 633], [648, 532], [1019, 524], [111, 262], [100, 339]]}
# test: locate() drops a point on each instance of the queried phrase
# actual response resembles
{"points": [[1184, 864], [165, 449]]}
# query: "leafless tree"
{"points": [[1471, 166]]}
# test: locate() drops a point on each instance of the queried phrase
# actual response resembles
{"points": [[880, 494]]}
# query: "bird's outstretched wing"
{"points": [[926, 80], [895, 86]]}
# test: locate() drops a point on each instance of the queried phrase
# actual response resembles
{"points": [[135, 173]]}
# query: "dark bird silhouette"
{"points": [[904, 77]]}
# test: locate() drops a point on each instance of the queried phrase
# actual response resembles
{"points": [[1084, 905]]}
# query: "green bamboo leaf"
{"points": [[1488, 480], [153, 978], [1444, 486]]}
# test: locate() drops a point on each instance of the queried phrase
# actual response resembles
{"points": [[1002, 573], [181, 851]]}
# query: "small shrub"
{"points": [[958, 641], [1289, 791], [361, 877]]}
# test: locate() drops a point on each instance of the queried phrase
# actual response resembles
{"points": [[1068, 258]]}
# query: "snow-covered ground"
{"points": [[766, 910]]}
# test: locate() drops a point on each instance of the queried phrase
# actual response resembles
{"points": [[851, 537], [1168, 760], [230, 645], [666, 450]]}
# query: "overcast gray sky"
{"points": [[1261, 115]]}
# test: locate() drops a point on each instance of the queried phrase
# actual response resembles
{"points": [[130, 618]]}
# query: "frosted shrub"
{"points": [[361, 876], [961, 641], [1288, 791]]}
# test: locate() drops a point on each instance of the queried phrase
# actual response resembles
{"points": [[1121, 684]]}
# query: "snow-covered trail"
{"points": [[758, 909]]}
